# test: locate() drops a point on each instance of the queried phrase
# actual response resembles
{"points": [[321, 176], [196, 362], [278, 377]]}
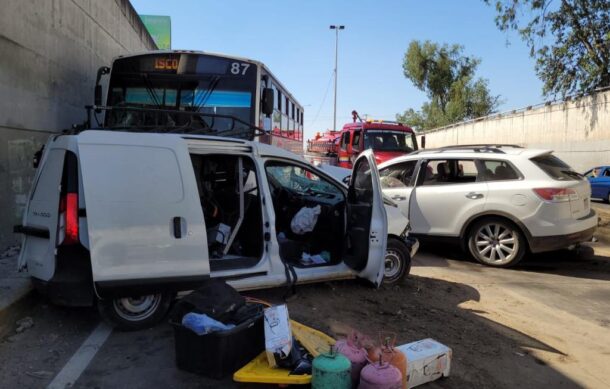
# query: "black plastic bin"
{"points": [[219, 354]]}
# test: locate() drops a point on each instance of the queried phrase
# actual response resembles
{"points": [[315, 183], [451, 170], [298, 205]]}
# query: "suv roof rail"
{"points": [[477, 148], [482, 145]]}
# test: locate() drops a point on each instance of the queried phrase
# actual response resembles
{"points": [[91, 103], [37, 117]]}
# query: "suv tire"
{"points": [[397, 262], [135, 313], [496, 242]]}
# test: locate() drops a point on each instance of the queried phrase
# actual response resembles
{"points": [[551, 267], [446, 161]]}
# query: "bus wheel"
{"points": [[137, 312]]}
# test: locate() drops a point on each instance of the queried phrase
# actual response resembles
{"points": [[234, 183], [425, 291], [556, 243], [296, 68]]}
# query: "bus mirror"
{"points": [[423, 141], [97, 100], [267, 103]]}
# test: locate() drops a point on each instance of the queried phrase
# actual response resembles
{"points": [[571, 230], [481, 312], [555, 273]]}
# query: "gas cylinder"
{"points": [[331, 370], [391, 355], [353, 350], [380, 375]]}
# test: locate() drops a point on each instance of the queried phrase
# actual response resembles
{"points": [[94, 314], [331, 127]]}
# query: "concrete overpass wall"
{"points": [[50, 51], [578, 130]]}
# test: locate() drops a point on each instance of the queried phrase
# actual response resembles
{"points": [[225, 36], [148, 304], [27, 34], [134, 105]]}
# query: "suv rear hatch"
{"points": [[574, 186]]}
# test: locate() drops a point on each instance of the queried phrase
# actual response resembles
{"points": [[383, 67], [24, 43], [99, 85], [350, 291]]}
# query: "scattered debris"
{"points": [[41, 374], [10, 251], [24, 324]]}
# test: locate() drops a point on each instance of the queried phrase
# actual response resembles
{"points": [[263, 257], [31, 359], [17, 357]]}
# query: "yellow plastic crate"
{"points": [[258, 370]]}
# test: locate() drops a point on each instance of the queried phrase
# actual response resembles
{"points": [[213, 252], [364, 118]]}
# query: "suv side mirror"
{"points": [[267, 101], [423, 141]]}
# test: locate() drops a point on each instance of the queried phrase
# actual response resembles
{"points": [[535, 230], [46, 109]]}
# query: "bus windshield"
{"points": [[184, 83], [388, 140]]}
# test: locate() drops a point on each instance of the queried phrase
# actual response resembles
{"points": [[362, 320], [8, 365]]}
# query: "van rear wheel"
{"points": [[137, 312], [397, 262]]}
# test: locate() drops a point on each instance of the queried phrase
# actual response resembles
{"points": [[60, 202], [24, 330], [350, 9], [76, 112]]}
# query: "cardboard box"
{"points": [[278, 334], [427, 360]]}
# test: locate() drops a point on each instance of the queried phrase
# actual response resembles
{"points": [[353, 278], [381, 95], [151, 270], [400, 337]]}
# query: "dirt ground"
{"points": [[483, 355]]}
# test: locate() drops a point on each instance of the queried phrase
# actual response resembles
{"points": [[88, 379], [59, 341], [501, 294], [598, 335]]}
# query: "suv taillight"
{"points": [[556, 195]]}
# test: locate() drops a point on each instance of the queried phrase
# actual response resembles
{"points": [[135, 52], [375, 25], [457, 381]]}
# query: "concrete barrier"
{"points": [[578, 130], [49, 55]]}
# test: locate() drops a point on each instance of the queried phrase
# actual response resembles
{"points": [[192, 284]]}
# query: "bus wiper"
{"points": [[207, 93], [150, 90]]}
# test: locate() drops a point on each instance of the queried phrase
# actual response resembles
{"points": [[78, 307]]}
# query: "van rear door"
{"points": [[40, 219], [145, 221], [367, 226]]}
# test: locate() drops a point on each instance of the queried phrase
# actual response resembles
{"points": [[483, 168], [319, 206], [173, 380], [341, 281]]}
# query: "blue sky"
{"points": [[293, 39]]}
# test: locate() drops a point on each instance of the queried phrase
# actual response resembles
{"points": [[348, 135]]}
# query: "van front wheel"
{"points": [[397, 262], [135, 313]]}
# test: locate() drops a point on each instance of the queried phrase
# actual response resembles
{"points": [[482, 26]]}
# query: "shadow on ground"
{"points": [[588, 262], [486, 354]]}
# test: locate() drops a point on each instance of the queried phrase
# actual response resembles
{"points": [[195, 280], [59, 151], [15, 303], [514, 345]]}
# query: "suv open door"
{"points": [[145, 222], [367, 227]]}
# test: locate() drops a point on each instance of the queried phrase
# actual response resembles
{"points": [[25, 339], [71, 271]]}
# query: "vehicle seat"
{"points": [[442, 172], [503, 173]]}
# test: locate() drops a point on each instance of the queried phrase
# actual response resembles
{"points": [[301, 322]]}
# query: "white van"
{"points": [[125, 220]]}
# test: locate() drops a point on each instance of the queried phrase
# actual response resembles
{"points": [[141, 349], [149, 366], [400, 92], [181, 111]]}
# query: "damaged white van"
{"points": [[125, 220]]}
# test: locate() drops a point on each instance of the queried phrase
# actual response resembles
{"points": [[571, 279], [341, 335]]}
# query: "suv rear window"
{"points": [[556, 168]]}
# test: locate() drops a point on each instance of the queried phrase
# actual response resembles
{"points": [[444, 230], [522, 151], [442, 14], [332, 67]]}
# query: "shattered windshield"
{"points": [[142, 90]]}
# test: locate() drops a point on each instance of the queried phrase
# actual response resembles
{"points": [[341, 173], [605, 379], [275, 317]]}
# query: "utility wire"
{"points": [[323, 99]]}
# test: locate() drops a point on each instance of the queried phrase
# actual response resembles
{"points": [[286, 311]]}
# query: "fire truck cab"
{"points": [[387, 140]]}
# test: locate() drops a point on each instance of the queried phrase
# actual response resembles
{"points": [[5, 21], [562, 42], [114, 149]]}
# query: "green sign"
{"points": [[160, 28]]}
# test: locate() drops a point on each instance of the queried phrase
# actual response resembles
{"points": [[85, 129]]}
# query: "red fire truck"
{"points": [[386, 139]]}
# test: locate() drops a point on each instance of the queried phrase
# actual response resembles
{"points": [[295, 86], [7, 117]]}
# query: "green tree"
{"points": [[570, 40], [447, 77]]}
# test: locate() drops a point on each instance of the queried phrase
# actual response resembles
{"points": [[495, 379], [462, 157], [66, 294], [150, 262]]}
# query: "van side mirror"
{"points": [[267, 102], [423, 141]]}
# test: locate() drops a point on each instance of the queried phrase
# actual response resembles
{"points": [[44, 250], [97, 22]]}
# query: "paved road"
{"points": [[562, 300]]}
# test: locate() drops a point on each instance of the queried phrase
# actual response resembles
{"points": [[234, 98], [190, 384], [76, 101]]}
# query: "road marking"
{"points": [[81, 358]]}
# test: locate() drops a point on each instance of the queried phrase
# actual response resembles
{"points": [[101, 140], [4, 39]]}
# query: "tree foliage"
{"points": [[448, 78], [570, 40]]}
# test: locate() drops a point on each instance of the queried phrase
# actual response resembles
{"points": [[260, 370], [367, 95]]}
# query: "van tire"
{"points": [[397, 262], [135, 313]]}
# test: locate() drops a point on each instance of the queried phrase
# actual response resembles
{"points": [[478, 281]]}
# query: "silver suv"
{"points": [[500, 201]]}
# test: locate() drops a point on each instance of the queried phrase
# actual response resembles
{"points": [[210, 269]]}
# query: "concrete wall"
{"points": [[578, 130], [50, 51]]}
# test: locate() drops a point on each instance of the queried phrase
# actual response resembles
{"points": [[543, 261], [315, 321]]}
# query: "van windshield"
{"points": [[388, 140]]}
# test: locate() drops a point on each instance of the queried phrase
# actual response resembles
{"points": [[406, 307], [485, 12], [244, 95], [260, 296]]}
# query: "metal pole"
{"points": [[336, 28], [336, 58]]}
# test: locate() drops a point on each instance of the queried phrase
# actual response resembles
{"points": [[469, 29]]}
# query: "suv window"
{"points": [[450, 171], [499, 171], [398, 175], [556, 168]]}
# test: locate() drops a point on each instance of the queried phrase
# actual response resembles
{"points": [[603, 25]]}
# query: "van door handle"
{"points": [[177, 227], [398, 197], [474, 196]]}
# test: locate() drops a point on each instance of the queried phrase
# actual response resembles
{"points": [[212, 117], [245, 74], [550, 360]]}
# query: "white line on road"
{"points": [[81, 358]]}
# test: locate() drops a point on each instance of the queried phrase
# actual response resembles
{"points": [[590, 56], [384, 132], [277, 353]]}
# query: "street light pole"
{"points": [[336, 28]]}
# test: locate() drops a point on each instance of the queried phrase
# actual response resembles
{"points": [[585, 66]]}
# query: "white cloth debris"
{"points": [[305, 220]]}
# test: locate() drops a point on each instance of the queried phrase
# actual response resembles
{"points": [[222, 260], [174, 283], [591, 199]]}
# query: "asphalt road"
{"points": [[561, 299]]}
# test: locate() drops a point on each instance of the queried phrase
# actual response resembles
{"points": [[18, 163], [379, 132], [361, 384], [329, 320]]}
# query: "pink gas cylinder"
{"points": [[353, 350], [390, 354], [380, 375]]}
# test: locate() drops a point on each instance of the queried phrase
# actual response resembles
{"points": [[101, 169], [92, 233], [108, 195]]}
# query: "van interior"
{"points": [[230, 199], [293, 188]]}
